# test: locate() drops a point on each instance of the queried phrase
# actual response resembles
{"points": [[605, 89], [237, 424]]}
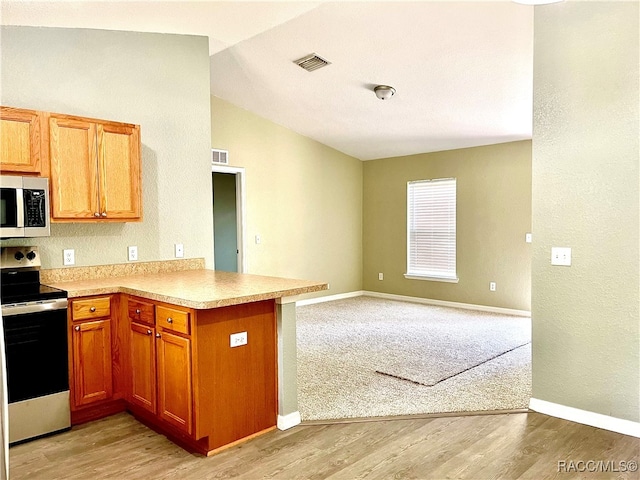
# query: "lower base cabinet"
{"points": [[95, 358], [92, 367], [143, 366], [208, 391], [175, 387], [236, 389], [177, 369]]}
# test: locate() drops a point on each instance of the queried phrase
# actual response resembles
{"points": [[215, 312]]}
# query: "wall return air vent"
{"points": [[311, 62], [220, 157]]}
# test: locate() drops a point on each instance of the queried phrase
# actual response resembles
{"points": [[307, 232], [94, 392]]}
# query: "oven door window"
{"points": [[36, 350], [8, 208]]}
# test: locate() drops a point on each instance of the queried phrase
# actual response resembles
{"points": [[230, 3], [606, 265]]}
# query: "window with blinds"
{"points": [[431, 230]]}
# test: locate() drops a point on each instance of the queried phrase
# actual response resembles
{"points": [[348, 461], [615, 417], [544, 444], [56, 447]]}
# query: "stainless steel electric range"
{"points": [[34, 318]]}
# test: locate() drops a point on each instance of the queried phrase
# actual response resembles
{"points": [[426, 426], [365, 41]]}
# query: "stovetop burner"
{"points": [[20, 277]]}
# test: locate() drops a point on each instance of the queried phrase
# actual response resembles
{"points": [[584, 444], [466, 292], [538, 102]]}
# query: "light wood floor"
{"points": [[508, 446]]}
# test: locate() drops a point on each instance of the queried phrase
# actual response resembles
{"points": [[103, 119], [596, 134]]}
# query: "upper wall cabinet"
{"points": [[19, 140], [95, 170]]}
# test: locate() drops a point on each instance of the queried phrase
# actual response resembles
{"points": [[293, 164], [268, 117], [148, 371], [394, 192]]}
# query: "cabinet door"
{"points": [[19, 140], [119, 166], [143, 367], [74, 168], [174, 380], [92, 362]]}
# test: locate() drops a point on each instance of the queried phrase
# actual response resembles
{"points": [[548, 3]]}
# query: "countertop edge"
{"points": [[196, 305]]}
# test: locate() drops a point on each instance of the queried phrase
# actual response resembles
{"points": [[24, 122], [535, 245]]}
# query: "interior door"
{"points": [[225, 222]]}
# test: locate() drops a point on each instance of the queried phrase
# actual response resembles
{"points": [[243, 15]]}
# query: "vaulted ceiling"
{"points": [[462, 70]]}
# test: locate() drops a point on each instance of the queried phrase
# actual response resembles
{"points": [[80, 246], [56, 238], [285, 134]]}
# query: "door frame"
{"points": [[239, 173]]}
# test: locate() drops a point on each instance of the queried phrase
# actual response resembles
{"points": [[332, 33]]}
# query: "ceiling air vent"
{"points": [[312, 62], [220, 156]]}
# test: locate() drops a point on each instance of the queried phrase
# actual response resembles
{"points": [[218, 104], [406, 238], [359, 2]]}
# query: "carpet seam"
{"points": [[455, 374]]}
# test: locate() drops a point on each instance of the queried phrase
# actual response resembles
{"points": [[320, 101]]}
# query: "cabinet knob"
{"points": [[157, 335], [104, 214], [96, 214], [138, 311], [92, 309], [169, 320], [77, 328], [148, 332]]}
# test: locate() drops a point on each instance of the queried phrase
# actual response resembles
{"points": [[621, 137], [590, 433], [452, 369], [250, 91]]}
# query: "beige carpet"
{"points": [[342, 344]]}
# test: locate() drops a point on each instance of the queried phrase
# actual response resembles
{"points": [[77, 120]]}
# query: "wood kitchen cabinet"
{"points": [[92, 378], [20, 141], [195, 352], [98, 357], [161, 368], [143, 366], [143, 354], [175, 387], [237, 389], [92, 362], [208, 393], [95, 170]]}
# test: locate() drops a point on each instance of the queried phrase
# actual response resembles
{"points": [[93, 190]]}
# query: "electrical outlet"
{"points": [[381, 276], [179, 250], [238, 339], [561, 256], [492, 286], [133, 253], [69, 257]]}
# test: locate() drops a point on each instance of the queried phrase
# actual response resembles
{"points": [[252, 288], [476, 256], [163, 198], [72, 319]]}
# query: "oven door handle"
{"points": [[35, 307]]}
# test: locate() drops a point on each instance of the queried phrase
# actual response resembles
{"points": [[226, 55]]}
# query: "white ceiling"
{"points": [[462, 70]]}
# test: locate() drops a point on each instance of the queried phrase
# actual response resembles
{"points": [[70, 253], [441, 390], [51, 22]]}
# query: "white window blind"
{"points": [[431, 229]]}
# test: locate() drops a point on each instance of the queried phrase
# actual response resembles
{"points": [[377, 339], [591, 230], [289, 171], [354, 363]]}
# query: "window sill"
{"points": [[415, 276]]}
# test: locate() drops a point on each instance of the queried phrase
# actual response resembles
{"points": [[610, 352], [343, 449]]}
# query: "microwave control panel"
{"points": [[35, 212]]}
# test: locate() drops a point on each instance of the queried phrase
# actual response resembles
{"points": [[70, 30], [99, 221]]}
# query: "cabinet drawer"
{"points": [[172, 319], [91, 308], [141, 312]]}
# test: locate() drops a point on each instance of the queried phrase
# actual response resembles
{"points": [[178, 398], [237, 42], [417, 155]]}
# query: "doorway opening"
{"points": [[228, 218]]}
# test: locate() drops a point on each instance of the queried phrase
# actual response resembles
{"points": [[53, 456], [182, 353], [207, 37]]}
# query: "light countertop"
{"points": [[199, 289]]}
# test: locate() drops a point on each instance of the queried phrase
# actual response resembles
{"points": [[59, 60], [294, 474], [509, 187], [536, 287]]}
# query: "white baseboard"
{"points": [[585, 417], [444, 303], [329, 298], [287, 421]]}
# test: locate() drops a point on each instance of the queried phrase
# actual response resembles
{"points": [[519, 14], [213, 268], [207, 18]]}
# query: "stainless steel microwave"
{"points": [[24, 207]]}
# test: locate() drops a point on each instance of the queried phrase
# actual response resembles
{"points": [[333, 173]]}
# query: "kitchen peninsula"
{"points": [[207, 358]]}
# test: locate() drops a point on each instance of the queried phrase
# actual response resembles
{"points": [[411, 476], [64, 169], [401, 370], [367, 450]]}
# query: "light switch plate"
{"points": [[179, 250], [561, 256], [527, 237]]}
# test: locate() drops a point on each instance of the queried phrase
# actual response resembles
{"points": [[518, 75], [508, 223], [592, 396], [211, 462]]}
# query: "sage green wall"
{"points": [[158, 81], [303, 198], [586, 196], [493, 216]]}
